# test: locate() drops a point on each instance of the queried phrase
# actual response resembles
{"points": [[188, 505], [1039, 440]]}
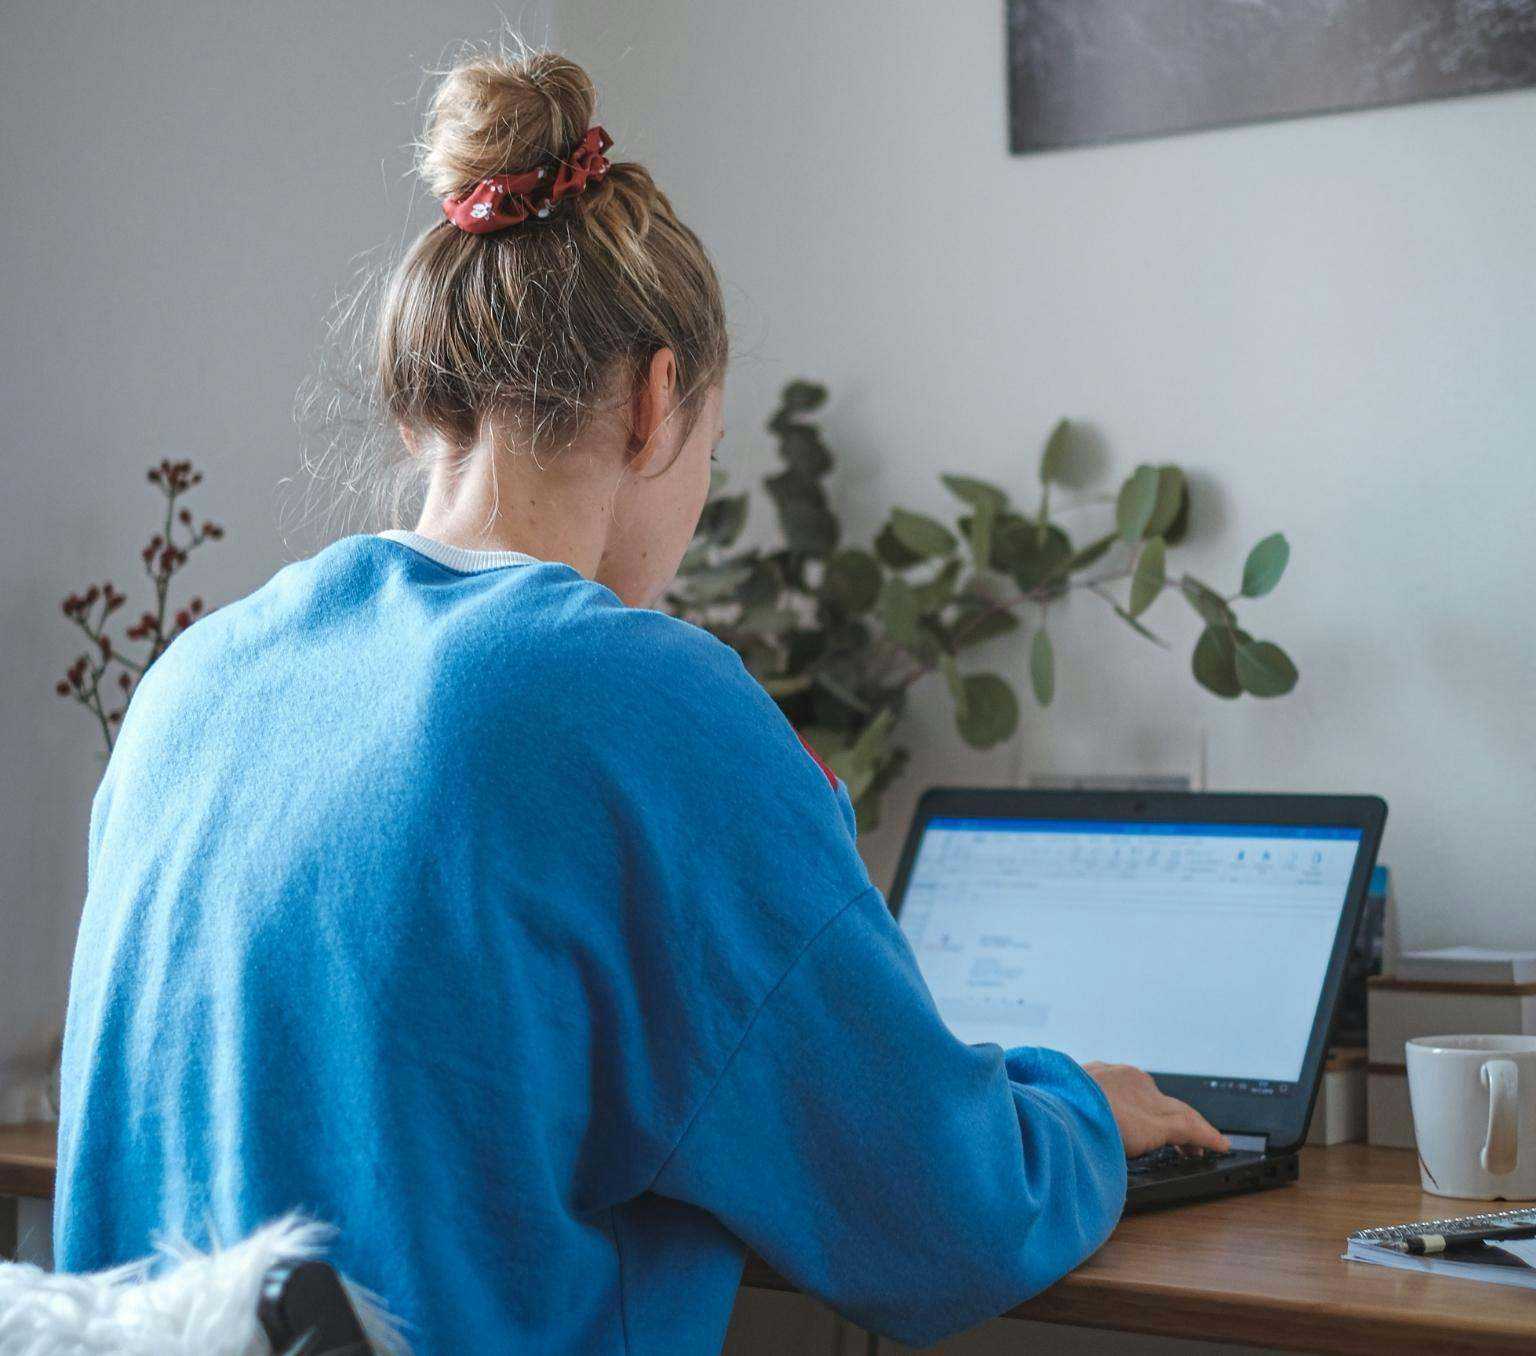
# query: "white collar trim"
{"points": [[457, 557]]}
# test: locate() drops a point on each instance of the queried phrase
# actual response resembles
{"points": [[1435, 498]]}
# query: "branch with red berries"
{"points": [[92, 678]]}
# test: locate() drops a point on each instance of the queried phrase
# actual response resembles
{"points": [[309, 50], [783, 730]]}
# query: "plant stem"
{"points": [[162, 583], [1042, 594]]}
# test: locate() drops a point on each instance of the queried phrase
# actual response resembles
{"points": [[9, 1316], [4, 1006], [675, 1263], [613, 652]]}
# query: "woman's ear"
{"points": [[654, 399], [409, 439]]}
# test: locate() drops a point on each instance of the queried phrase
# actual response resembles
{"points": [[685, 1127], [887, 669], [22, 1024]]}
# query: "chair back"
{"points": [[269, 1295]]}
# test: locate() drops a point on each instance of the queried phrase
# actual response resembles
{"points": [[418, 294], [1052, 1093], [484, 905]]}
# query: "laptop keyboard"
{"points": [[1173, 1161]]}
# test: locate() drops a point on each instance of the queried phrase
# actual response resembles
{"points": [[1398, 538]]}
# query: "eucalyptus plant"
{"points": [[837, 634]]}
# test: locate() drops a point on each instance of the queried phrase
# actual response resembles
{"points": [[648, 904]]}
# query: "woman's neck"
{"points": [[505, 502]]}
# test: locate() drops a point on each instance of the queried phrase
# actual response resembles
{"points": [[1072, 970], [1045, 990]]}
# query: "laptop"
{"points": [[1201, 937]]}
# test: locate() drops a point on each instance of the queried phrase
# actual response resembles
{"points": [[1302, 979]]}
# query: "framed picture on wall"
{"points": [[1082, 72]]}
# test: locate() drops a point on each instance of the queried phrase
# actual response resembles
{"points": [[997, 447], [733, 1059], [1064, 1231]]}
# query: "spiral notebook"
{"points": [[1512, 1262]]}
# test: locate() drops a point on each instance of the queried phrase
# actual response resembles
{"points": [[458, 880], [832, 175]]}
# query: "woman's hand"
{"points": [[1147, 1119]]}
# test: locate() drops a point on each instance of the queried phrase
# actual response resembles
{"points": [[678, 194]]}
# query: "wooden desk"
{"points": [[27, 1159], [26, 1191], [1264, 1270]]}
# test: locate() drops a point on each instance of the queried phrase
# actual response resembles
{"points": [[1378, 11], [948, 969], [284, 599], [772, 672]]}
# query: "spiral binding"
{"points": [[1466, 1224]]}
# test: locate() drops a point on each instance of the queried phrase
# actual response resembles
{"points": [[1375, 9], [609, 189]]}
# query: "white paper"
{"points": [[1523, 1248]]}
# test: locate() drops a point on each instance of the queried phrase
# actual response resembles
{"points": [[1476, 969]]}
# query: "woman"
{"points": [[444, 890]]}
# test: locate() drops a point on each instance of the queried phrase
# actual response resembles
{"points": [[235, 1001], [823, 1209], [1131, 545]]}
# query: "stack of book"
{"points": [[1458, 990], [1339, 1116]]}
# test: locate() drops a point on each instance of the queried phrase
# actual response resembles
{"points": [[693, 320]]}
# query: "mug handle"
{"points": [[1501, 1150]]}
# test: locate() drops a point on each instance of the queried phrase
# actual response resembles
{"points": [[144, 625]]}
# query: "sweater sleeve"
{"points": [[917, 1184]]}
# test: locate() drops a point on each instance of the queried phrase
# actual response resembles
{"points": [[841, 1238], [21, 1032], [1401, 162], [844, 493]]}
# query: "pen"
{"points": [[1436, 1243]]}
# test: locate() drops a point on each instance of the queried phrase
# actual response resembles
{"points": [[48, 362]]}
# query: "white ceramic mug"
{"points": [[1474, 1115]]}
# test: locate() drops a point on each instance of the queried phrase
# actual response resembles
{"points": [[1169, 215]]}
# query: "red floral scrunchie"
{"points": [[508, 199]]}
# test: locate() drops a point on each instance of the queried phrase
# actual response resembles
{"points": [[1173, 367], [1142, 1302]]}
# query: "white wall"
{"points": [[185, 187], [1329, 321]]}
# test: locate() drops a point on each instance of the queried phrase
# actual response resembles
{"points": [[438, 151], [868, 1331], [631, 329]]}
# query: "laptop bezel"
{"points": [[1281, 1119]]}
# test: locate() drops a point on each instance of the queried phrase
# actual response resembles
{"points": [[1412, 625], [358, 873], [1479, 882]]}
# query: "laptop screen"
{"points": [[1192, 949]]}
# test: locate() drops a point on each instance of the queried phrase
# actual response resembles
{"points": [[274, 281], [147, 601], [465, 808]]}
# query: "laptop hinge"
{"points": [[1250, 1144]]}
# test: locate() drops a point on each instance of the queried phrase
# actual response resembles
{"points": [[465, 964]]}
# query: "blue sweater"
{"points": [[513, 932]]}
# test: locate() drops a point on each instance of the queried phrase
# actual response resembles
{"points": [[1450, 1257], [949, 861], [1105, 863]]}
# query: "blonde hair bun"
{"points": [[538, 325], [496, 114]]}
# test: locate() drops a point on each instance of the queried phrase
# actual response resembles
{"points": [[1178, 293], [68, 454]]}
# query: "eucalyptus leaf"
{"points": [[1151, 571], [808, 526], [802, 396], [762, 657], [1265, 564], [991, 711], [1042, 667], [849, 639], [763, 585], [722, 520], [1137, 627], [825, 740], [866, 808], [840, 690], [792, 487], [803, 647], [829, 709], [984, 589], [1013, 541], [768, 620], [1264, 669], [852, 580], [1040, 562], [800, 445], [900, 610], [920, 534], [716, 582], [872, 737], [1053, 460], [976, 625], [939, 591], [1091, 554], [857, 774], [1211, 606], [1170, 500], [980, 534], [1136, 504], [1215, 660], [1178, 529], [977, 493], [788, 686], [892, 552], [859, 762]]}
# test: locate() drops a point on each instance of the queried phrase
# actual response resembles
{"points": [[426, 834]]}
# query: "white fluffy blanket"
{"points": [[204, 1305]]}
